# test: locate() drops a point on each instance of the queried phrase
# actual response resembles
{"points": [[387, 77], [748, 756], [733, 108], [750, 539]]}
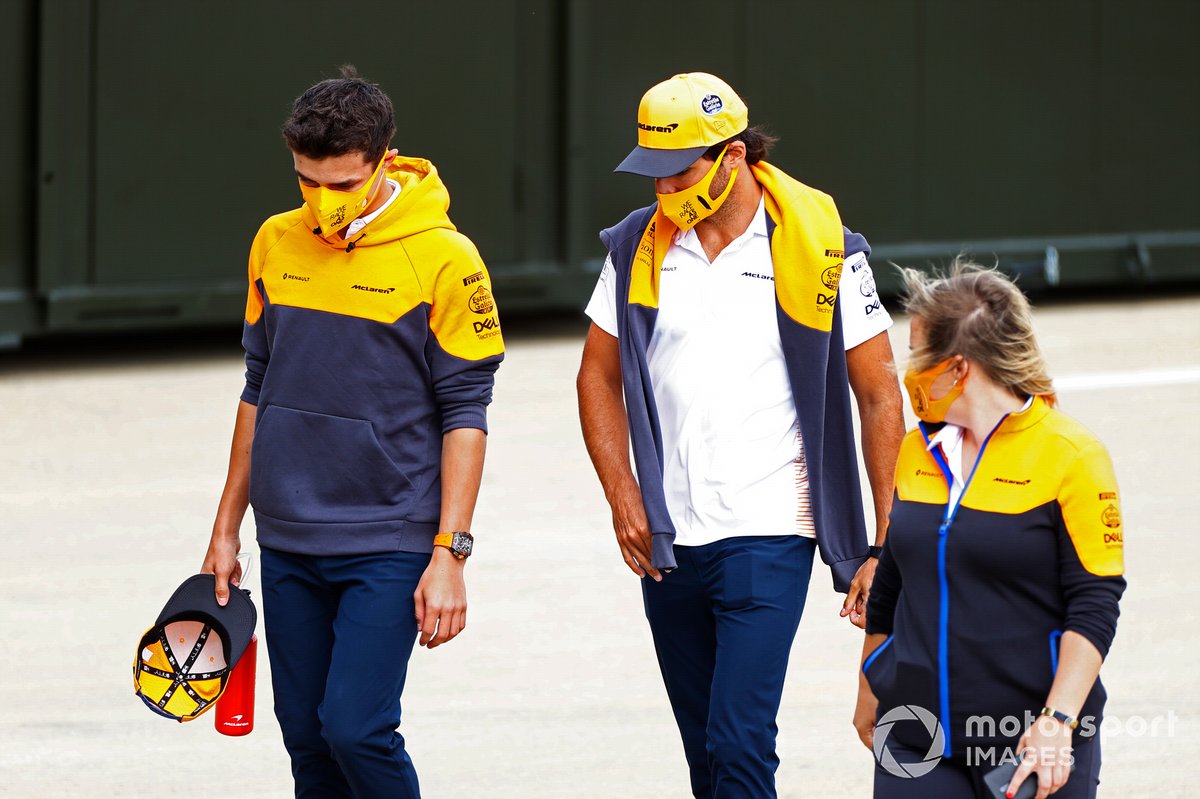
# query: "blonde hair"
{"points": [[980, 314]]}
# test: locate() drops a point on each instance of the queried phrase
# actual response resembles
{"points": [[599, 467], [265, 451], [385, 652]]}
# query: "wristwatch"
{"points": [[1070, 721], [874, 552], [460, 543]]}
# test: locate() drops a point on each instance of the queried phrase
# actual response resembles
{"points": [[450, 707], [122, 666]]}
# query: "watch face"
{"points": [[461, 544]]}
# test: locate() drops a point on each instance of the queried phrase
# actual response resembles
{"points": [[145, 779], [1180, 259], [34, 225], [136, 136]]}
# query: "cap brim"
{"points": [[659, 163], [196, 597]]}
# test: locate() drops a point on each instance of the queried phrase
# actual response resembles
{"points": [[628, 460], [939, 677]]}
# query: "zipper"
{"points": [[943, 582]]}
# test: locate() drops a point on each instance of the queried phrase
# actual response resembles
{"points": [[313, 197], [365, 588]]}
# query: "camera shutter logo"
{"points": [[909, 713]]}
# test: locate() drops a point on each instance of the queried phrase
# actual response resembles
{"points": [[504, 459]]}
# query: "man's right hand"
{"points": [[633, 531], [221, 562]]}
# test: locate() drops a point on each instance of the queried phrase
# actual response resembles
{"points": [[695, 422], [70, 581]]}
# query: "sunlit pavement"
{"points": [[112, 465]]}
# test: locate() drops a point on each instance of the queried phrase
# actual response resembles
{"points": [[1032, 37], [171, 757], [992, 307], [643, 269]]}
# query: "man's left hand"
{"points": [[441, 599], [855, 605]]}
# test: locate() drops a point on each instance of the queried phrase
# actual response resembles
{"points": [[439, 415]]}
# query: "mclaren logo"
{"points": [[658, 128], [372, 289]]}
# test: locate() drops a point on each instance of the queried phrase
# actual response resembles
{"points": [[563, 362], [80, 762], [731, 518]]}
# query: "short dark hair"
{"points": [[339, 116], [758, 145]]}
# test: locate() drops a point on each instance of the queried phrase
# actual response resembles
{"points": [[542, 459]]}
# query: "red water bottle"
{"points": [[235, 708]]}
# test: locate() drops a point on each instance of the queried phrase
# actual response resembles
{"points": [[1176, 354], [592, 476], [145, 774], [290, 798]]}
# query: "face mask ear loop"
{"points": [[724, 195], [246, 559]]}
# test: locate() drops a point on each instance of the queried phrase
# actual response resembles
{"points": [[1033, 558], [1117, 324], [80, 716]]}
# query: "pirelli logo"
{"points": [[475, 278], [835, 254]]}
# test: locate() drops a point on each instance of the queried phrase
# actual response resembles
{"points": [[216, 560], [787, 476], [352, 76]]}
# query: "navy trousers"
{"points": [[723, 624], [339, 632]]}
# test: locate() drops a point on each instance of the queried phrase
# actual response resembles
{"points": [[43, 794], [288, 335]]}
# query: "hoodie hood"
{"points": [[421, 206]]}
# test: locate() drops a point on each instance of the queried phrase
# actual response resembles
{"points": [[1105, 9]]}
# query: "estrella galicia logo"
{"points": [[481, 301], [832, 276], [867, 287], [1111, 517], [711, 104], [888, 761], [872, 307], [658, 128], [826, 299]]}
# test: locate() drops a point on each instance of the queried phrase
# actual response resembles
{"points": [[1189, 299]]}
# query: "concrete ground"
{"points": [[113, 460]]}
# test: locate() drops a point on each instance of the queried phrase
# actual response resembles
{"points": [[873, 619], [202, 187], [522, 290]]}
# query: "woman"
{"points": [[996, 596]]}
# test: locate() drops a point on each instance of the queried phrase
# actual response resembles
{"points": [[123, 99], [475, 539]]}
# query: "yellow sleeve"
{"points": [[463, 316], [1091, 511]]}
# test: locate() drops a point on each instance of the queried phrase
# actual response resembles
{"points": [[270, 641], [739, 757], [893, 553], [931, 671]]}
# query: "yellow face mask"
{"points": [[335, 209], [918, 384], [692, 205]]}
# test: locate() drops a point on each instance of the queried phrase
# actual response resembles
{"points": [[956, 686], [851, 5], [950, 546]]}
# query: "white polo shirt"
{"points": [[733, 455]]}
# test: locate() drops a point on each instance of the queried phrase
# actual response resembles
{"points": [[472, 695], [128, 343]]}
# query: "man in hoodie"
{"points": [[729, 324], [371, 344]]}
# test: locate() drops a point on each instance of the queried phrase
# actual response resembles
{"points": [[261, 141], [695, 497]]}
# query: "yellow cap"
{"points": [[679, 119]]}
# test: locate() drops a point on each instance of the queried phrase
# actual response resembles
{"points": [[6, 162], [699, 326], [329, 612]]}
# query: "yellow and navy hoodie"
{"points": [[975, 599], [360, 355]]}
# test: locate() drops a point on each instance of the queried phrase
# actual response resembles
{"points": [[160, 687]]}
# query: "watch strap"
{"points": [[1070, 721], [460, 543], [874, 552]]}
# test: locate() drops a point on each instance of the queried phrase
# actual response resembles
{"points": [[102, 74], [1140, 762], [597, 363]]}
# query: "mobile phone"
{"points": [[997, 781]]}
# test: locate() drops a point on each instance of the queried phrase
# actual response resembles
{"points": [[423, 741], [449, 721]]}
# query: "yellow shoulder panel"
{"points": [[462, 310], [1091, 510], [918, 476], [269, 234], [1019, 471], [375, 283]]}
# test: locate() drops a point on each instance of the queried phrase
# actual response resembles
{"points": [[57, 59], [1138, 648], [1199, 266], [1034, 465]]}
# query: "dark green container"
{"points": [[141, 146]]}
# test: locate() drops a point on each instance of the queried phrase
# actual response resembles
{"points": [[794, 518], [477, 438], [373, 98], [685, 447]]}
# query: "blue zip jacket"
{"points": [[975, 600]]}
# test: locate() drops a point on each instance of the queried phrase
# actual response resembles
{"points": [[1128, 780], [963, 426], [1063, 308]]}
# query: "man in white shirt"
{"points": [[727, 322]]}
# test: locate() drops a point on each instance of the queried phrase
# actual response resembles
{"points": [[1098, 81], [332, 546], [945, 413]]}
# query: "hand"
{"points": [[865, 711], [221, 562], [633, 531], [1045, 750], [855, 605], [441, 599]]}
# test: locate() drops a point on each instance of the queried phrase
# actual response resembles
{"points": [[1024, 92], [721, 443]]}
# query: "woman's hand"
{"points": [[865, 711], [1045, 750]]}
